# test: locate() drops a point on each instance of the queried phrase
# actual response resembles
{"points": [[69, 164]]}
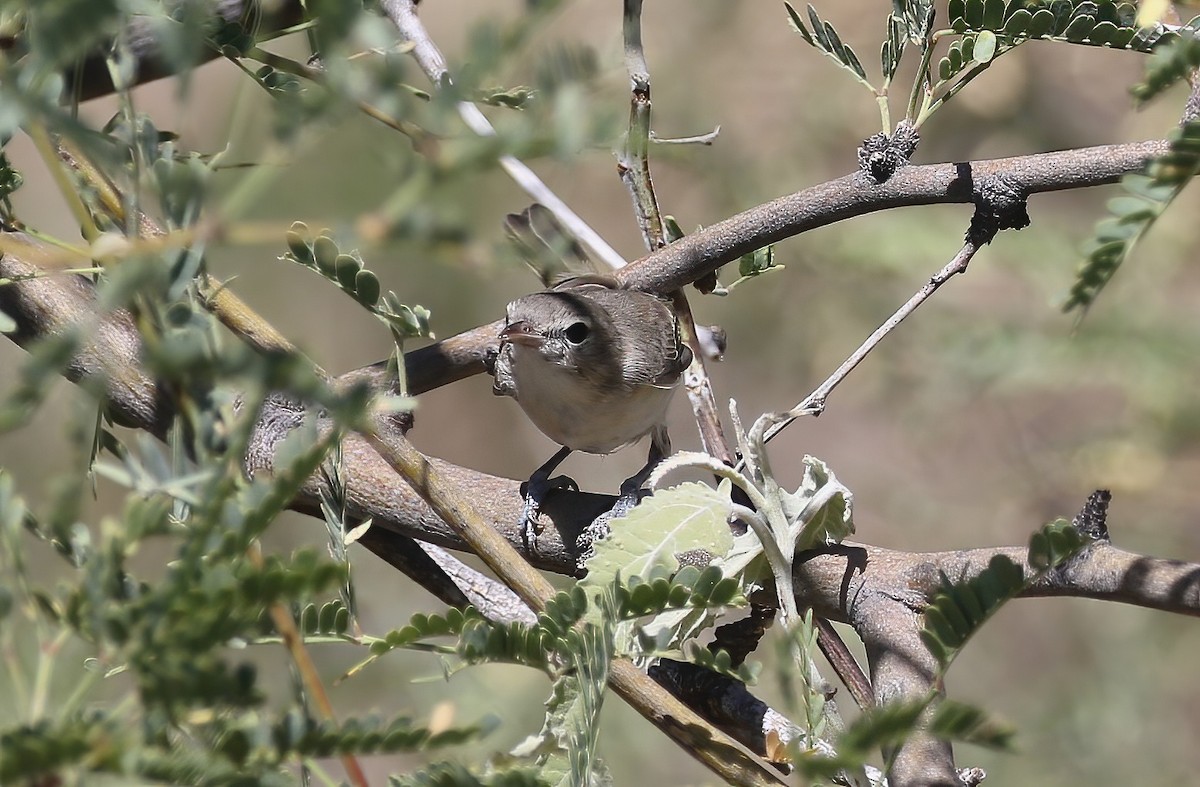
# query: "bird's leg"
{"points": [[631, 488], [534, 491], [631, 495]]}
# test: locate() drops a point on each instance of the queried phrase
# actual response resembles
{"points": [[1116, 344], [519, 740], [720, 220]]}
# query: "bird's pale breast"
{"points": [[568, 410]]}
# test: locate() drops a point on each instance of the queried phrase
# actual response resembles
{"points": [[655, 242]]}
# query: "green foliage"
{"points": [[961, 608], [47, 360], [889, 726], [989, 28], [420, 627], [1055, 544], [10, 181], [962, 723], [1148, 194], [1131, 215], [457, 775], [330, 619], [1171, 63], [914, 18], [689, 587], [824, 37], [984, 30], [1105, 23], [721, 663], [892, 49], [754, 264], [322, 255]]}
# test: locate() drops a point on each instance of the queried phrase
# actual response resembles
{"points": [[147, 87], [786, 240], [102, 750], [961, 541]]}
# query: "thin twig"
{"points": [[634, 167], [403, 14], [633, 160], [421, 138], [697, 139], [843, 662], [281, 616], [814, 404], [699, 387]]}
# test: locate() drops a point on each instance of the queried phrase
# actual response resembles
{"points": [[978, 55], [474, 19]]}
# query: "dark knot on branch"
{"points": [[999, 205], [880, 155]]}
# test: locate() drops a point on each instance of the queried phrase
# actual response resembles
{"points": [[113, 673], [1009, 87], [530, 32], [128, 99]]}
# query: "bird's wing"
{"points": [[660, 359], [545, 245]]}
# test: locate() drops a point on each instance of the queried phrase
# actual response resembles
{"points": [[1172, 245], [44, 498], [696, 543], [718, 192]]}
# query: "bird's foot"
{"points": [[534, 493], [632, 493], [599, 528]]}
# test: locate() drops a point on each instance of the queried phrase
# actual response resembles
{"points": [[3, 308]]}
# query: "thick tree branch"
{"points": [[257, 17], [706, 250], [833, 579]]}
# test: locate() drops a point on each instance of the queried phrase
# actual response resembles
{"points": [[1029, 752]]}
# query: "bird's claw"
{"points": [[534, 493], [631, 494]]}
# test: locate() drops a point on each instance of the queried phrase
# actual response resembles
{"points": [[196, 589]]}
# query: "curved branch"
{"points": [[702, 253], [834, 579], [256, 17]]}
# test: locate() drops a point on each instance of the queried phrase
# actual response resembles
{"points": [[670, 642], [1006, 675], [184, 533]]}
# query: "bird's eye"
{"points": [[577, 332]]}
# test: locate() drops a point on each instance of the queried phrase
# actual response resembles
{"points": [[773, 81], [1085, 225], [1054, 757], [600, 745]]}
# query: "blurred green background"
{"points": [[986, 415]]}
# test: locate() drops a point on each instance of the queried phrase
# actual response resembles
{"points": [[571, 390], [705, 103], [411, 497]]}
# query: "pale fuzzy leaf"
{"points": [[564, 747], [819, 512], [358, 532], [646, 541], [680, 460], [664, 632], [745, 550], [686, 517]]}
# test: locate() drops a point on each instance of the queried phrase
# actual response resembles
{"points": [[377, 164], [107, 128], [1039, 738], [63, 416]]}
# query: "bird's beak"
{"points": [[520, 332]]}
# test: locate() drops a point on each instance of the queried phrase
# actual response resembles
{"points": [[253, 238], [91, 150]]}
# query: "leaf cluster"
{"points": [[961, 608], [1104, 23], [322, 255], [1147, 194]]}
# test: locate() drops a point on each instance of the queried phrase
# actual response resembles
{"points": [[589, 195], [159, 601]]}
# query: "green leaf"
{"points": [[973, 13], [885, 726], [721, 663], [347, 268], [1039, 25], [326, 252], [958, 611], [824, 37], [684, 518], [985, 47], [962, 723], [1170, 63], [916, 16], [298, 244], [366, 287], [993, 14], [1093, 24], [1054, 544], [1132, 216], [893, 46]]}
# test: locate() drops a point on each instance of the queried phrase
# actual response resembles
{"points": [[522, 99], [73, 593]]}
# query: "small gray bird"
{"points": [[594, 366]]}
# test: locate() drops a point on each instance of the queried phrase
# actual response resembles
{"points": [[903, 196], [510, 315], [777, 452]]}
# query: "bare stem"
{"points": [[814, 404], [403, 14]]}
